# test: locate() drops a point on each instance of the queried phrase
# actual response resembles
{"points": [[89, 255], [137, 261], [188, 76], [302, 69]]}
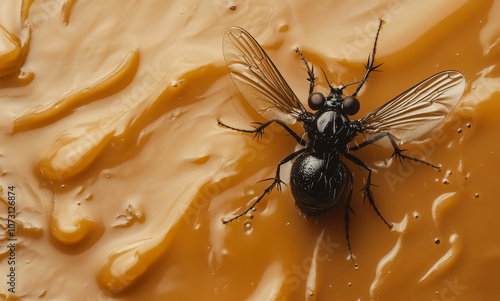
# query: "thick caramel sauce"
{"points": [[109, 140]]}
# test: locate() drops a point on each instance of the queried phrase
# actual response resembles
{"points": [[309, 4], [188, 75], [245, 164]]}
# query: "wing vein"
{"points": [[416, 111], [257, 78]]}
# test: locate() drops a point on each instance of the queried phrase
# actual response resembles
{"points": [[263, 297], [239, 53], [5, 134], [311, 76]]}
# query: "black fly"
{"points": [[319, 179]]}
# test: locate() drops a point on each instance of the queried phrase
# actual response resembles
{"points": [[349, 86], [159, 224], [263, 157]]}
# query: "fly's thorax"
{"points": [[330, 131]]}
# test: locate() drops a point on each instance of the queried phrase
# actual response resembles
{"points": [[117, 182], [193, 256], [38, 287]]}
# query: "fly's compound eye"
{"points": [[350, 106], [316, 101]]}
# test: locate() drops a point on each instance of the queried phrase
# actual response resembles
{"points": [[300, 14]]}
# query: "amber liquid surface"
{"points": [[110, 149]]}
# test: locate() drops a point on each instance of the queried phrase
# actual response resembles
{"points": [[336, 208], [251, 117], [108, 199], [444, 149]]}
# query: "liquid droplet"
{"points": [[283, 28], [247, 226]]}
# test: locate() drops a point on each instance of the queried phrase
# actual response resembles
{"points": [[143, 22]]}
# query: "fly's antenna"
{"points": [[350, 84], [327, 81], [343, 86]]}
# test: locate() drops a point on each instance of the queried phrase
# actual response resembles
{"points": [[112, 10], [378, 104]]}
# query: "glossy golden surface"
{"points": [[109, 134]]}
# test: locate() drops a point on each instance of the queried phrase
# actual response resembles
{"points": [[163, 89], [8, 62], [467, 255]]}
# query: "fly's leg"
{"points": [[276, 183], [397, 154], [258, 130], [371, 59], [367, 192], [310, 71], [347, 219]]}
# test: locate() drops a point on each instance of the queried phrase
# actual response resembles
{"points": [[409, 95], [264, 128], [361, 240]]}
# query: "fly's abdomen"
{"points": [[318, 183]]}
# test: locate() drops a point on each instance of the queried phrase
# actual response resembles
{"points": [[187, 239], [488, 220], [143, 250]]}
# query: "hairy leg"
{"points": [[276, 183], [258, 130], [367, 193]]}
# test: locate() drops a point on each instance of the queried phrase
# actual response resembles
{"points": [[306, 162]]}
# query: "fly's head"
{"points": [[348, 105]]}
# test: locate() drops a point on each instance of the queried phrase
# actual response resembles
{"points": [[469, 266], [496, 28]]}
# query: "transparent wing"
{"points": [[417, 110], [257, 79]]}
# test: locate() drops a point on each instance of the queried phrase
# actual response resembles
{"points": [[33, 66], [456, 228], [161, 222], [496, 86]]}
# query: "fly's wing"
{"points": [[257, 79], [417, 110]]}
